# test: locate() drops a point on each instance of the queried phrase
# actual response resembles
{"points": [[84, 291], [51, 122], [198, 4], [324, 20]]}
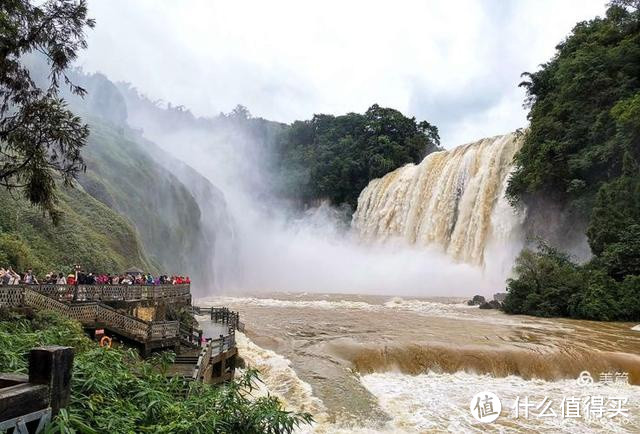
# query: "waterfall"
{"points": [[453, 200]]}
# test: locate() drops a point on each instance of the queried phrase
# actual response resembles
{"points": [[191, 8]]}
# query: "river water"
{"points": [[363, 363]]}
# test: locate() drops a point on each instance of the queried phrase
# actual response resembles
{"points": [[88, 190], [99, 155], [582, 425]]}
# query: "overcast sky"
{"points": [[454, 63]]}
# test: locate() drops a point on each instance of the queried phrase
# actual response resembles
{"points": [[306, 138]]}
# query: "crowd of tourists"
{"points": [[10, 277]]}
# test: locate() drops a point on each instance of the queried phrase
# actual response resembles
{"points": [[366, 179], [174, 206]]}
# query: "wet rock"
{"points": [[491, 305], [477, 300]]}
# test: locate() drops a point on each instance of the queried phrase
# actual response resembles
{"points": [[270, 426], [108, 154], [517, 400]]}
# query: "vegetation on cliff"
{"points": [[582, 152], [326, 157], [89, 233], [114, 391], [335, 157]]}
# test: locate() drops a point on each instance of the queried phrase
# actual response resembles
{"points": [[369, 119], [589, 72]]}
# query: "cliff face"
{"points": [[132, 207], [168, 203]]}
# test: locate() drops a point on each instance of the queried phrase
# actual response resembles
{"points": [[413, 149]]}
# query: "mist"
{"points": [[224, 56], [273, 246]]}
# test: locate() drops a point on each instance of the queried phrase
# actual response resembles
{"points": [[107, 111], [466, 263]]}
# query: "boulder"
{"points": [[491, 305], [477, 300]]}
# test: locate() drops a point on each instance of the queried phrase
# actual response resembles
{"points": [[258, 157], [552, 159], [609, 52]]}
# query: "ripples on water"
{"points": [[381, 364]]}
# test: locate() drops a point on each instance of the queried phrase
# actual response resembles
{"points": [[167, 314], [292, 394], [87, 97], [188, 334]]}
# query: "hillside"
{"points": [[129, 207], [580, 161], [90, 233], [123, 176]]}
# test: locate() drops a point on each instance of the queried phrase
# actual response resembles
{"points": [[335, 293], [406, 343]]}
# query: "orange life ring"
{"points": [[105, 341]]}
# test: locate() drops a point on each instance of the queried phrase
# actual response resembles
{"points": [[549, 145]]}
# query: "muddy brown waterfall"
{"points": [[453, 199]]}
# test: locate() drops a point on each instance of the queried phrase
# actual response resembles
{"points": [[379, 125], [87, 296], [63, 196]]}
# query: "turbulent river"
{"points": [[389, 364]]}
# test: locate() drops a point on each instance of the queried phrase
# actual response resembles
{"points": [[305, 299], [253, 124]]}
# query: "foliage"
{"points": [[582, 151], [546, 279], [335, 157], [584, 107], [548, 283], [90, 234], [114, 391], [19, 334], [39, 137]]}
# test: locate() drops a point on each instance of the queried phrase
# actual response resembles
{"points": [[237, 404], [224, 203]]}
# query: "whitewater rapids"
{"points": [[365, 364], [453, 199]]}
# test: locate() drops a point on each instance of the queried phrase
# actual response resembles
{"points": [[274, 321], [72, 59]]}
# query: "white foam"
{"points": [[441, 402], [279, 378]]}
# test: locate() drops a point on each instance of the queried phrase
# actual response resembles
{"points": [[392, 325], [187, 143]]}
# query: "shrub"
{"points": [[114, 391]]}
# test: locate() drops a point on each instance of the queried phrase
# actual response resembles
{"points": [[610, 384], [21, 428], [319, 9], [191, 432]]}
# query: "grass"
{"points": [[115, 391]]}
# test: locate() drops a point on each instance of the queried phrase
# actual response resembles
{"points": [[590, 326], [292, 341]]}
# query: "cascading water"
{"points": [[453, 199]]}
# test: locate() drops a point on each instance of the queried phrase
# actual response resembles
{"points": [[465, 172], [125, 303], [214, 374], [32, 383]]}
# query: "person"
{"points": [[71, 279], [61, 280], [29, 278], [14, 277]]}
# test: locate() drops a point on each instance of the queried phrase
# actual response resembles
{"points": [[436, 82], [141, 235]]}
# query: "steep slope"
{"points": [[155, 191], [90, 234], [123, 176], [129, 191]]}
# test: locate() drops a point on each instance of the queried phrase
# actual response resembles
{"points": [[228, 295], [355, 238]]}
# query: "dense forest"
{"points": [[335, 157], [581, 154]]}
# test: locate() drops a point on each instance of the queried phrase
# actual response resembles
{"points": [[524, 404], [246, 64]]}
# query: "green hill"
{"points": [[126, 178], [90, 234], [130, 207]]}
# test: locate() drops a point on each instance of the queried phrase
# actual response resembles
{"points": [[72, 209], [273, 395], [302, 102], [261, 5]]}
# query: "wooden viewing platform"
{"points": [[150, 335], [116, 310], [216, 360]]}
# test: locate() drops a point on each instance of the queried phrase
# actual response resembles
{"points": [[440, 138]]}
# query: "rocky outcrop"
{"points": [[491, 305], [477, 300]]}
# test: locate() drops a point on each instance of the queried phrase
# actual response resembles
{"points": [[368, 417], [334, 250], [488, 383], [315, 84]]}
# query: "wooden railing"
{"points": [[221, 315], [112, 292], [212, 348], [91, 313], [27, 402], [204, 360]]}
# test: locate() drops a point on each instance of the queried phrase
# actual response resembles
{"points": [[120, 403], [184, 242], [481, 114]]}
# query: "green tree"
{"points": [[583, 112], [39, 137], [581, 152], [545, 281], [335, 157]]}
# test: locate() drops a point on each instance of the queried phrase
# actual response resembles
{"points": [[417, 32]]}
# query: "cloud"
{"points": [[456, 64]]}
